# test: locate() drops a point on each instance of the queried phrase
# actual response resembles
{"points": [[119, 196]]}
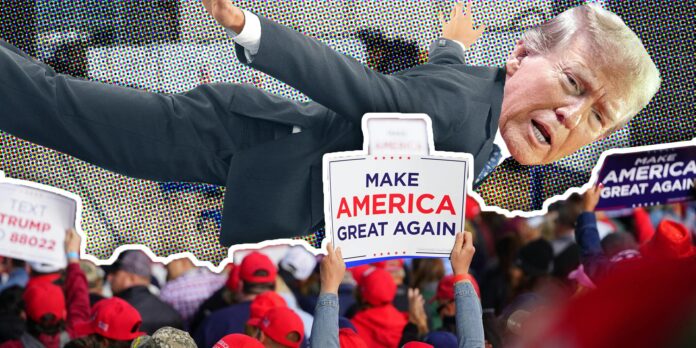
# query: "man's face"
{"points": [[119, 281], [556, 103]]}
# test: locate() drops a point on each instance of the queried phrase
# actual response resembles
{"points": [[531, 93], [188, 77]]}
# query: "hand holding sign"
{"points": [[72, 246], [331, 270], [591, 198], [462, 253]]}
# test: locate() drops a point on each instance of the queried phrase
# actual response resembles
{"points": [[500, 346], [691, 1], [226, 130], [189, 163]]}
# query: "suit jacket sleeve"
{"points": [[146, 135], [445, 51], [334, 80]]}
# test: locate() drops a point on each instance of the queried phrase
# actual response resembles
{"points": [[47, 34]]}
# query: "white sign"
{"points": [[33, 221], [397, 136], [381, 205]]}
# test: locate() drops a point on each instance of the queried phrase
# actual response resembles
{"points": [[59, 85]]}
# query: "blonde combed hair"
{"points": [[616, 44]]}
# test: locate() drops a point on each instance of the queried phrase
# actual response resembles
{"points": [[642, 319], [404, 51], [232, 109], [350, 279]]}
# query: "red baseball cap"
{"points": [[238, 341], [255, 262], [113, 318], [671, 240], [377, 287], [262, 303], [348, 338], [279, 322], [445, 288], [43, 298], [472, 208], [358, 271], [390, 265], [414, 344]]}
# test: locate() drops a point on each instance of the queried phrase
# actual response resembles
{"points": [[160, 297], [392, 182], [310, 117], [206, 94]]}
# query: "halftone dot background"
{"points": [[172, 46]]}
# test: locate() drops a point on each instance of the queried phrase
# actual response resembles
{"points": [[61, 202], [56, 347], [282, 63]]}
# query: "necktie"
{"points": [[489, 166]]}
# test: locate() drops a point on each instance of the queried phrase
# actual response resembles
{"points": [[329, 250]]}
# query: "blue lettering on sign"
{"points": [[361, 231], [387, 179], [437, 229]]}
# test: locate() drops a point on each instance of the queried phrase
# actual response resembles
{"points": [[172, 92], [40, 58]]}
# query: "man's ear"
{"points": [[515, 59]]}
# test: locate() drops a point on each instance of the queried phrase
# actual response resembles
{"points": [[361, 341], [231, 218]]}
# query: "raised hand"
{"points": [[591, 198], [331, 270], [460, 26], [416, 311], [462, 253], [228, 15], [72, 244]]}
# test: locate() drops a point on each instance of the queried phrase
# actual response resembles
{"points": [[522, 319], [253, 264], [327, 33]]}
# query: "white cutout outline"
{"points": [[321, 251]]}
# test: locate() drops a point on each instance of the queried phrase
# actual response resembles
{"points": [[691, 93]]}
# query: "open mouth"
{"points": [[540, 133]]}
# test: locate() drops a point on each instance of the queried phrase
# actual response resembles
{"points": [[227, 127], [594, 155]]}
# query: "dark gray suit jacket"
{"points": [[216, 133]]}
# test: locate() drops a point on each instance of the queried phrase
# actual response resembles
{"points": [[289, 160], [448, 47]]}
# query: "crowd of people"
{"points": [[571, 278]]}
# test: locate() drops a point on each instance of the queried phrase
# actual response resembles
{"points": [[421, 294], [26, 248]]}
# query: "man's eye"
{"points": [[597, 116], [573, 83]]}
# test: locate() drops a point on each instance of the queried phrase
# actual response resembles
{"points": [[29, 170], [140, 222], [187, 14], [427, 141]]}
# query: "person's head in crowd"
{"points": [[8, 264], [377, 287], [238, 341], [95, 276], [113, 323], [616, 242], [506, 248], [178, 267], [534, 261], [133, 268], [444, 297], [45, 309], [298, 262], [166, 337], [395, 267], [441, 339], [259, 307], [280, 327], [567, 213], [348, 338], [426, 271], [256, 274], [565, 262], [671, 240], [44, 272]]}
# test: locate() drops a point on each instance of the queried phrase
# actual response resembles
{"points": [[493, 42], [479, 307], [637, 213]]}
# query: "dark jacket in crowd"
{"points": [[155, 312], [215, 302], [225, 321]]}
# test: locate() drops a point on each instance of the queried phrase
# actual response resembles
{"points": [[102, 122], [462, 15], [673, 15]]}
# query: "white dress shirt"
{"points": [[250, 39]]}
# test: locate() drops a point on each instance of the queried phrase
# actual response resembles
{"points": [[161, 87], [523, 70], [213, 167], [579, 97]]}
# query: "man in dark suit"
{"points": [[547, 103]]}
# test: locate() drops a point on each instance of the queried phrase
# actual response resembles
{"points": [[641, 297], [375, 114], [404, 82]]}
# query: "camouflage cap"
{"points": [[166, 337], [93, 273]]}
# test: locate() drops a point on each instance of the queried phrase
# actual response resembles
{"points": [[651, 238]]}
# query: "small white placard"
{"points": [[33, 221]]}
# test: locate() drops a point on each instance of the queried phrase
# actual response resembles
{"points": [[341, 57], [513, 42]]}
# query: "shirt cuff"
{"points": [[250, 37], [460, 45]]}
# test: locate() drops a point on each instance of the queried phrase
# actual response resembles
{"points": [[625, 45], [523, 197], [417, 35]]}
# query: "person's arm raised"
{"points": [[325, 324], [469, 316]]}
